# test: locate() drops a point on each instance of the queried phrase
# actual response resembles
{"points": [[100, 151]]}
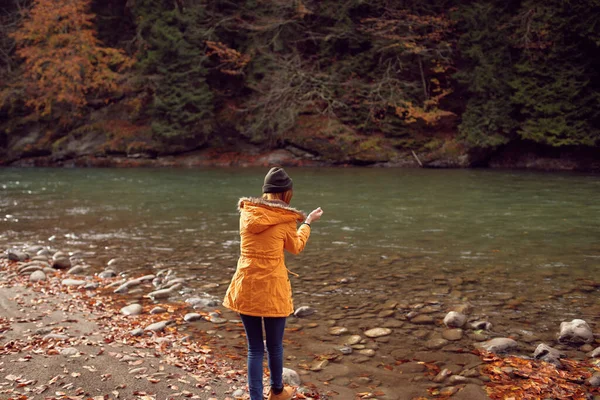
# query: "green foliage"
{"points": [[556, 82], [172, 59], [486, 69]]}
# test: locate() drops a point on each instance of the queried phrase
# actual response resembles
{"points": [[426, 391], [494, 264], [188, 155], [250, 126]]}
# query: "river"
{"points": [[521, 248]]}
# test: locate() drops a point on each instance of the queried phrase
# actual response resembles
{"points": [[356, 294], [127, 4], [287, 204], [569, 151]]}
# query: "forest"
{"points": [[342, 80]]}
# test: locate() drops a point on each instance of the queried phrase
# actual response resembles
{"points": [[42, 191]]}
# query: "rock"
{"points": [[113, 261], [457, 380], [318, 365], [34, 249], [69, 351], [575, 332], [115, 283], [345, 350], [386, 313], [291, 377], [138, 371], [378, 332], [455, 319], [217, 320], [435, 344], [107, 273], [14, 255], [91, 286], [338, 330], [463, 309], [481, 325], [393, 323], [238, 393], [442, 375], [191, 317], [203, 302], [37, 276], [594, 380], [29, 268], [43, 252], [353, 339], [73, 282], [61, 263], [304, 311], [164, 293], [546, 353], [78, 269], [136, 332], [422, 320], [55, 336], [158, 310], [498, 345], [366, 352], [158, 326], [595, 353], [452, 334], [132, 309]]}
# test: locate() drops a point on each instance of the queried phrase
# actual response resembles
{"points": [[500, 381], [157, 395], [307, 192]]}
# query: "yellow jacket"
{"points": [[260, 286]]}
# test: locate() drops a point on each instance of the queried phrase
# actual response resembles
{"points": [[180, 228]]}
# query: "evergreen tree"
{"points": [[173, 58]]}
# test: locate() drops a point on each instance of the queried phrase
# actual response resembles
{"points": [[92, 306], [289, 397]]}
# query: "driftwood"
{"points": [[417, 158]]}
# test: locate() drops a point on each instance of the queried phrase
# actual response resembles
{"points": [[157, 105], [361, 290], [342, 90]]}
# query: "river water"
{"points": [[522, 249]]}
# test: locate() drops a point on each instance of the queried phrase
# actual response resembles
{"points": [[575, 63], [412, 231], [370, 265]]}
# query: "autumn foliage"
{"points": [[64, 62]]}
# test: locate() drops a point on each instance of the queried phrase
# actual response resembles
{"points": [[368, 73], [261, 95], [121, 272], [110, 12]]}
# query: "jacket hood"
{"points": [[259, 214]]}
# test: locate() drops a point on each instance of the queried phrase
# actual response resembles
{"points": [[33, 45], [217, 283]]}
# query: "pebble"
{"points": [[136, 332], [455, 319], [158, 310], [481, 325], [158, 326], [366, 352], [337, 330], [435, 344], [304, 311], [452, 334], [595, 352], [345, 350], [61, 263], [353, 339], [164, 293], [55, 336], [422, 320], [319, 365], [91, 286], [191, 317], [546, 353], [107, 273], [29, 269], [132, 309], [291, 377], [139, 371], [78, 269], [69, 351], [386, 313], [73, 282], [37, 276], [217, 320], [377, 332], [442, 375], [498, 345], [393, 323], [238, 393], [457, 380], [16, 255]]}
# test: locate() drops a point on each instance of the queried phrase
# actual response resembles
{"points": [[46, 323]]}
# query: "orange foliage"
{"points": [[232, 61], [429, 113], [518, 378], [63, 60]]}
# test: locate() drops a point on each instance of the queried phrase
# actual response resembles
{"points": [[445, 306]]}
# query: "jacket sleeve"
{"points": [[295, 240]]}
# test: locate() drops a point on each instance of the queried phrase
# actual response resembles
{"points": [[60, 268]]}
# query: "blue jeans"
{"points": [[274, 327]]}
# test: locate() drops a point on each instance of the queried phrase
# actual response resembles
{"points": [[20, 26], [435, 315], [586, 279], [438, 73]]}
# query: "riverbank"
{"points": [[61, 318]]}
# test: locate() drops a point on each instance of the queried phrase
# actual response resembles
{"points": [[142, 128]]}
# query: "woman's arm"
{"points": [[295, 240]]}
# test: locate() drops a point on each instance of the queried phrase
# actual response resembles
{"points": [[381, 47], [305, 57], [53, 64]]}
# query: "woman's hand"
{"points": [[315, 215]]}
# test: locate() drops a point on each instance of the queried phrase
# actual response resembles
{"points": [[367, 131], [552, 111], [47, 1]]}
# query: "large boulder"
{"points": [[575, 332]]}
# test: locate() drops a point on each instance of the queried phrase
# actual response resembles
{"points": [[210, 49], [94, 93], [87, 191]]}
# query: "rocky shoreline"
{"points": [[447, 369]]}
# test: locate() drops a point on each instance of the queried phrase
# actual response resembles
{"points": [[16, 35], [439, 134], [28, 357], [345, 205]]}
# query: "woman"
{"points": [[260, 290]]}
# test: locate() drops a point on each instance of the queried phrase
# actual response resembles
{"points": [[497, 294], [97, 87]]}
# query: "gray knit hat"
{"points": [[277, 181]]}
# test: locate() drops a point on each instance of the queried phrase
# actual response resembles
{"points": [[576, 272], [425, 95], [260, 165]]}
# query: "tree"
{"points": [[172, 59], [64, 63]]}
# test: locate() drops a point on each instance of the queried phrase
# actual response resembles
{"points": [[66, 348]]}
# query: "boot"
{"points": [[287, 394]]}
